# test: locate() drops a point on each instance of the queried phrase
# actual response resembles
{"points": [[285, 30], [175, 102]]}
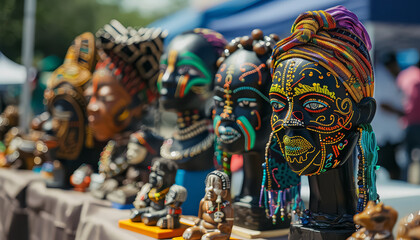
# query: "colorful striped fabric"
{"points": [[335, 39]]}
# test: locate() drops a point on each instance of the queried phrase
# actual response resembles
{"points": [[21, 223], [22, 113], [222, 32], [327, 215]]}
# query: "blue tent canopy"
{"points": [[238, 17]]}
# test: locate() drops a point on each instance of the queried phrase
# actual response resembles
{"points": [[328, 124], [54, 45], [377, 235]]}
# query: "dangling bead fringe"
{"points": [[368, 158], [285, 200]]}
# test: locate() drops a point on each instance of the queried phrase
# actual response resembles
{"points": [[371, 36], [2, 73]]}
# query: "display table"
{"points": [[98, 222], [55, 213], [29, 210], [13, 212]]}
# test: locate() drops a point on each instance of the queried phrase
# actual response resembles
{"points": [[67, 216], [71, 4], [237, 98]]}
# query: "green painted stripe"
{"points": [[250, 130], [195, 81]]}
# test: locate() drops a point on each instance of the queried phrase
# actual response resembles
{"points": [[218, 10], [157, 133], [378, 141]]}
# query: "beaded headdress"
{"points": [[223, 177], [133, 57], [337, 40]]}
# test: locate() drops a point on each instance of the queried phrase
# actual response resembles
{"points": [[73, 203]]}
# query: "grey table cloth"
{"points": [[13, 211]]}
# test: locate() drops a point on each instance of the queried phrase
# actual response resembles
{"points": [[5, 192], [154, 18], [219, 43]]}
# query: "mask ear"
{"points": [[367, 109]]}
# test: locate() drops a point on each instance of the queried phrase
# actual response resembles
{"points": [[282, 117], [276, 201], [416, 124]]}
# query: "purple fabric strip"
{"points": [[346, 19]]}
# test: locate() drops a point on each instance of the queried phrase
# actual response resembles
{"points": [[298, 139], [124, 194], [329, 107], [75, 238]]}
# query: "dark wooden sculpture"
{"points": [[173, 201], [322, 108], [242, 119], [185, 85], [150, 201]]}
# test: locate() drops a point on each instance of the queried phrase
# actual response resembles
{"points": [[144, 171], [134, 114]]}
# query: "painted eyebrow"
{"points": [[316, 94], [217, 98], [193, 60], [278, 95], [252, 89], [247, 99]]}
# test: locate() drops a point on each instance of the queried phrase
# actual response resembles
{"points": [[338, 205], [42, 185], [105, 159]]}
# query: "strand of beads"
{"points": [[361, 176]]}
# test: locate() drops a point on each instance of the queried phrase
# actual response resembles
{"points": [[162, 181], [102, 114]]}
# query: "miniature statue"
{"points": [[377, 222], [409, 227], [122, 93], [242, 118], [150, 201], [173, 200], [141, 149], [321, 97], [185, 86], [215, 210]]}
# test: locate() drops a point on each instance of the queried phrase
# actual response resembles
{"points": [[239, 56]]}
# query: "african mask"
{"points": [[187, 69], [65, 100], [314, 118], [319, 98], [242, 107], [124, 82]]}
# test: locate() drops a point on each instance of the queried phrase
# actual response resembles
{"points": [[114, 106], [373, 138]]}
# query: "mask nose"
{"points": [[294, 119], [169, 84]]}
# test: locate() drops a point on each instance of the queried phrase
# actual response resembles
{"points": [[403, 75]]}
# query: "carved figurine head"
{"points": [[143, 145], [377, 218], [217, 186], [123, 85], [65, 101], [176, 196], [409, 227], [322, 90], [242, 83], [162, 173], [187, 69]]}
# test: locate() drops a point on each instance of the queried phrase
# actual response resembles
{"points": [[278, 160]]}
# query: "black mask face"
{"points": [[241, 102], [314, 118], [187, 71]]}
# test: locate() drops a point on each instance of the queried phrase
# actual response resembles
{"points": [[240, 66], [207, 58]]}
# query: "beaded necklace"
{"points": [[157, 196], [192, 131], [213, 209], [165, 150]]}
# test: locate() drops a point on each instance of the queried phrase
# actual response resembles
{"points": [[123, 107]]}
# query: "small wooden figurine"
{"points": [[215, 212], [377, 222], [176, 196], [409, 227], [150, 201]]}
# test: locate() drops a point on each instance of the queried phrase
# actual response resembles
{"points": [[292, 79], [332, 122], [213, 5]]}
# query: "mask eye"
{"points": [[315, 106], [247, 102], [277, 105], [218, 101]]}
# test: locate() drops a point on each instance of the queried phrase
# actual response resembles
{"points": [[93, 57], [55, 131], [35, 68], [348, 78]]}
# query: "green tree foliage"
{"points": [[59, 21]]}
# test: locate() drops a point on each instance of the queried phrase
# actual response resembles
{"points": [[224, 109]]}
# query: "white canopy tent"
{"points": [[11, 73]]}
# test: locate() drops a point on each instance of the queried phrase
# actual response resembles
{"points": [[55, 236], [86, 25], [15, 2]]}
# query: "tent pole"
{"points": [[27, 59]]}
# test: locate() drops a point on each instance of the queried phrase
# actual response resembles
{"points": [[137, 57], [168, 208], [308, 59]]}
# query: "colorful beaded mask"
{"points": [[242, 107], [187, 69], [320, 74], [321, 96]]}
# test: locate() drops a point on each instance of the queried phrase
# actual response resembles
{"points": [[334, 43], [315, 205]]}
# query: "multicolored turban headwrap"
{"points": [[338, 41], [133, 58]]}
